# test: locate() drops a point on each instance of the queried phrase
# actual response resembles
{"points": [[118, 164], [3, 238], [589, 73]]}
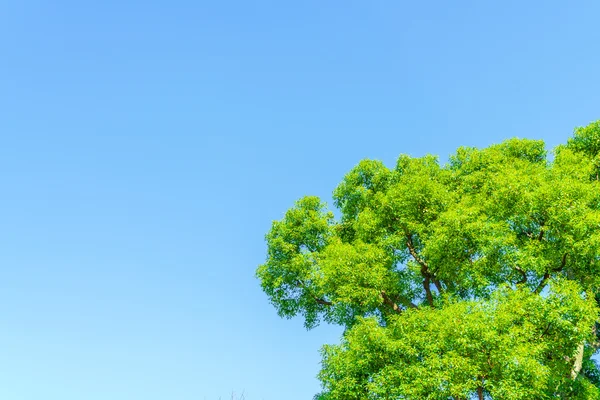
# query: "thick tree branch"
{"points": [[424, 270], [578, 362], [427, 286], [406, 302], [387, 300], [595, 344], [413, 252], [547, 274], [323, 302]]}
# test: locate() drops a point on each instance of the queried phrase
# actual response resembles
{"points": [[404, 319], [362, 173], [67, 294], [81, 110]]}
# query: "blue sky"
{"points": [[147, 146]]}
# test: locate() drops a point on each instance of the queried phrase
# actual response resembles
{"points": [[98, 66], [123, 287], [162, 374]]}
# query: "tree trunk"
{"points": [[480, 393], [578, 361]]}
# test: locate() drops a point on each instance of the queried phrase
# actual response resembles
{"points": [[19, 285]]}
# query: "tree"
{"points": [[474, 279]]}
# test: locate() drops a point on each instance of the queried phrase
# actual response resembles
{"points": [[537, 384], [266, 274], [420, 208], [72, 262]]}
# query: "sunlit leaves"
{"points": [[440, 274], [516, 344]]}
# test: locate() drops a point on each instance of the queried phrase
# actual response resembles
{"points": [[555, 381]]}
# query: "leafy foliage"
{"points": [[478, 278]]}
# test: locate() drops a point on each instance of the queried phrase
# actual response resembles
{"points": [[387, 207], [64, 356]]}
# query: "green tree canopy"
{"points": [[474, 279]]}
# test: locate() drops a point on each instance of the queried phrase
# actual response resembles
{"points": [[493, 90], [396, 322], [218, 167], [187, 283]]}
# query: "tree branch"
{"points": [[578, 362], [387, 300], [406, 302], [413, 252], [323, 302], [523, 275], [424, 270], [545, 331], [427, 286], [546, 276], [317, 299]]}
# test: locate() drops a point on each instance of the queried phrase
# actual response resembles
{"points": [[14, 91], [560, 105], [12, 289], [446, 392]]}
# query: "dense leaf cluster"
{"points": [[474, 279]]}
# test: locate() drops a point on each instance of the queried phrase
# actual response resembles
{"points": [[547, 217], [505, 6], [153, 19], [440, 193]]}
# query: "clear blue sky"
{"points": [[147, 146]]}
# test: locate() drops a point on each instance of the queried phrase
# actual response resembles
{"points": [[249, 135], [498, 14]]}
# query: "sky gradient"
{"points": [[147, 146]]}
